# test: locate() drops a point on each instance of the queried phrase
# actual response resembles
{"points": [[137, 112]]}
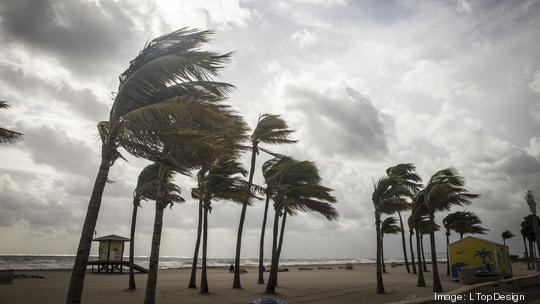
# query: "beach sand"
{"points": [[296, 286]]}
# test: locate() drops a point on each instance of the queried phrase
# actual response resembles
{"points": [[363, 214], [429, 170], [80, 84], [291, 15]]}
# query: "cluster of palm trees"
{"points": [[400, 190], [170, 110], [529, 241]]}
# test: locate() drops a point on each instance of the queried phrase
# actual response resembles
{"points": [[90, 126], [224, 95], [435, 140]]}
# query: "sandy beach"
{"points": [[296, 286]]}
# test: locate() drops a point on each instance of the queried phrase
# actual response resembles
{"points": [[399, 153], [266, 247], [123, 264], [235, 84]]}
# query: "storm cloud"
{"points": [[366, 84]]}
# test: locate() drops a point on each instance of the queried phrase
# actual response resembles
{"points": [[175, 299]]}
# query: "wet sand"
{"points": [[296, 286]]}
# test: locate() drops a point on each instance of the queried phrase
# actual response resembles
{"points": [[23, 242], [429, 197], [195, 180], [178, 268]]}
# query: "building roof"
{"points": [[477, 238], [111, 237]]}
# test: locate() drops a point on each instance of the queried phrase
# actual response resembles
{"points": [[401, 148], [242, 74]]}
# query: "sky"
{"points": [[365, 84]]}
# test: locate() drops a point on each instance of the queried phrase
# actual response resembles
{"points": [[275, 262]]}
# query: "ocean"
{"points": [[47, 262]]}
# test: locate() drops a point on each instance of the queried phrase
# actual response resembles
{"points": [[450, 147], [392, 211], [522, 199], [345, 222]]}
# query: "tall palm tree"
{"points": [[388, 226], [444, 190], [527, 256], [8, 136], [407, 174], [410, 223], [167, 194], [448, 222], [527, 230], [222, 180], [196, 194], [507, 234], [169, 66], [418, 212], [295, 186], [270, 129], [146, 189]]}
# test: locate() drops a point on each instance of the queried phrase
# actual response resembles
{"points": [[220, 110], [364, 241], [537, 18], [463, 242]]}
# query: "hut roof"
{"points": [[477, 238], [111, 237]]}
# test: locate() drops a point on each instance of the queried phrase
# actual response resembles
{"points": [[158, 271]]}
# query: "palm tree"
{"points": [[507, 234], [448, 222], [527, 230], [468, 222], [294, 186], [407, 173], [410, 223], [146, 189], [8, 136], [167, 194], [168, 67], [223, 180], [483, 254], [388, 226], [424, 228], [270, 129], [444, 190], [527, 256], [196, 194], [417, 214]]}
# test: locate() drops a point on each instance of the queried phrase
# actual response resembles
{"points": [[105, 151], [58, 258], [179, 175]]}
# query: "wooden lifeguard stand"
{"points": [[111, 253]]}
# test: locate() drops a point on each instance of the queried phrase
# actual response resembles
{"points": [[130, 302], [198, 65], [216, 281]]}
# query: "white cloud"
{"points": [[304, 38]]}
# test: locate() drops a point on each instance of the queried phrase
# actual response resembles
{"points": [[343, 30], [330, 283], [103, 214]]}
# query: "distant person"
{"points": [[231, 268]]}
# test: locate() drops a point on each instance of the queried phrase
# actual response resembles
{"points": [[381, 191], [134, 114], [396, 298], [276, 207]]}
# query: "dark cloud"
{"points": [[83, 101], [83, 35], [54, 147], [349, 126]]}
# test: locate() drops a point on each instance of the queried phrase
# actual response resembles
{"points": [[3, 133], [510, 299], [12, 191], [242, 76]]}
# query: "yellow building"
{"points": [[473, 251]]}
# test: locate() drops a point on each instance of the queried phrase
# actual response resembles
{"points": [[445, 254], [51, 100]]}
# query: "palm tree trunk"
{"points": [[412, 252], [380, 284], [382, 253], [204, 279], [447, 256], [504, 241], [132, 244], [461, 236], [236, 280], [526, 253], [76, 282], [261, 245], [270, 287], [424, 264], [421, 282], [278, 252], [193, 276], [531, 255], [404, 244], [151, 281], [437, 286]]}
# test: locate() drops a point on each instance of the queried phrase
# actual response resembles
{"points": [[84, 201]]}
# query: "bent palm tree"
{"points": [[146, 189], [444, 190], [407, 174], [220, 181], [270, 129], [506, 235], [449, 221], [8, 136], [388, 226], [410, 223], [169, 66], [295, 186]]}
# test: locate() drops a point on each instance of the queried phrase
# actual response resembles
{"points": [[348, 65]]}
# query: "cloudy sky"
{"points": [[366, 84]]}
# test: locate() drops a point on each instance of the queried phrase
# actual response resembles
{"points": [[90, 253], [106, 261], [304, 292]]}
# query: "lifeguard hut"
{"points": [[111, 253], [476, 252]]}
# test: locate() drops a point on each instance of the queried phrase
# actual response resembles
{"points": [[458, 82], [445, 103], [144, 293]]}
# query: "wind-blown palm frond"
{"points": [[390, 226], [272, 129], [8, 136]]}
